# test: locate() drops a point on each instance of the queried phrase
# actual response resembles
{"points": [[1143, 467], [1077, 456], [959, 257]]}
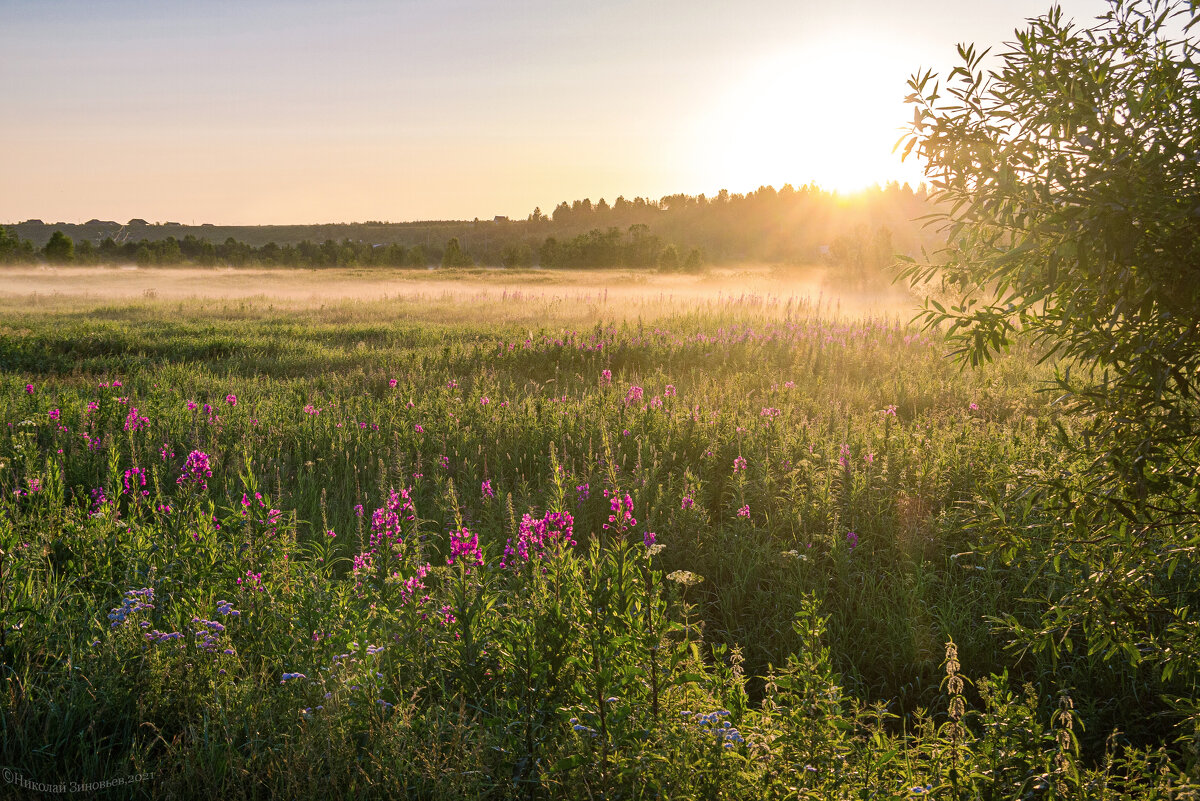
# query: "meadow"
{"points": [[520, 535]]}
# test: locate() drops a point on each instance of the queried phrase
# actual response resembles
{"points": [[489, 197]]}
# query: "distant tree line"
{"points": [[789, 225], [594, 249]]}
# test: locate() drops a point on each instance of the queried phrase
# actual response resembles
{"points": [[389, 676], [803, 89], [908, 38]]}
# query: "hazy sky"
{"points": [[272, 112]]}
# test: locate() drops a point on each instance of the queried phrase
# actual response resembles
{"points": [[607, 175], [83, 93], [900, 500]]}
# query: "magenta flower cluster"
{"points": [[621, 519], [196, 471], [135, 421], [464, 546], [387, 520], [539, 537]]}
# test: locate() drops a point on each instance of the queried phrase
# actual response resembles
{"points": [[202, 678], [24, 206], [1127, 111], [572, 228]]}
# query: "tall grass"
{"points": [[719, 553]]}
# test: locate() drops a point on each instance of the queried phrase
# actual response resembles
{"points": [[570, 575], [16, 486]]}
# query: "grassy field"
{"points": [[482, 534]]}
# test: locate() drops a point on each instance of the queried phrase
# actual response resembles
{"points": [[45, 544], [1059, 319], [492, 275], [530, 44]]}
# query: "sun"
{"points": [[823, 113]]}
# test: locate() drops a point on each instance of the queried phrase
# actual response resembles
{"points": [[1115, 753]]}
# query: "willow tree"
{"points": [[1067, 171]]}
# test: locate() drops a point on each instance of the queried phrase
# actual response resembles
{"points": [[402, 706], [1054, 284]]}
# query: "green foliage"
{"points": [[606, 667], [1071, 185], [60, 249], [454, 256]]}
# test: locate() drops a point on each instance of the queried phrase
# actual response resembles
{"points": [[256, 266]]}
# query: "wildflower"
{"points": [[852, 539], [538, 538], [311, 410], [669, 391], [485, 489], [134, 481], [452, 384], [358, 510], [195, 471], [54, 414], [192, 406], [974, 406], [99, 500], [418, 429], [392, 383], [290, 676], [687, 502], [739, 464], [606, 376], [231, 399], [29, 389], [648, 538], [685, 577], [634, 395], [484, 401], [135, 421], [744, 511], [464, 545], [93, 406], [622, 517], [581, 492]]}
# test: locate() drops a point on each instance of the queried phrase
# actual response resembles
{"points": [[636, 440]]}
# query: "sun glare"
{"points": [[827, 114]]}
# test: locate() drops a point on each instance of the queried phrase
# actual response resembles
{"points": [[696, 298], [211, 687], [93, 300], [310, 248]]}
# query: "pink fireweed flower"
{"points": [[974, 406], [687, 502], [29, 389], [606, 376], [93, 406], [739, 464], [852, 539], [669, 391], [484, 401], [231, 399], [135, 421], [465, 546], [485, 489], [134, 482], [769, 411], [392, 383], [387, 520], [196, 471], [419, 429], [634, 395], [55, 414], [452, 384], [744, 511], [311, 410], [622, 517], [648, 538], [789, 384], [538, 538], [656, 402], [844, 455]]}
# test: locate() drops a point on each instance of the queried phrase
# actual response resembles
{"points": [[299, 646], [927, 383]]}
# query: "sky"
{"points": [[273, 112]]}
